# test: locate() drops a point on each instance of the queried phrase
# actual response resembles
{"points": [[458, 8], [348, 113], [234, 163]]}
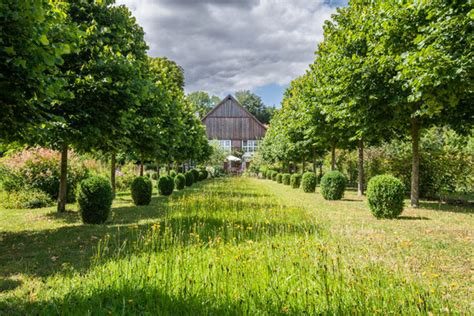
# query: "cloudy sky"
{"points": [[226, 45]]}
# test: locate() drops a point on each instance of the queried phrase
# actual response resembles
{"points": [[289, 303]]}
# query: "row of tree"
{"points": [[77, 75], [385, 70]]}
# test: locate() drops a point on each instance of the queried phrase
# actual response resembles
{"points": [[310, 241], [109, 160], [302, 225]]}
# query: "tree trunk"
{"points": [[113, 159], [168, 168], [303, 165], [315, 167], [360, 165], [333, 156], [415, 171], [141, 166], [320, 171], [62, 196]]}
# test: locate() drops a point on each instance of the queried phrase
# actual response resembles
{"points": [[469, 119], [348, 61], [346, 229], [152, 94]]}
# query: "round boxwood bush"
{"points": [[95, 200], [308, 182], [274, 175], [333, 185], [172, 173], [295, 180], [165, 185], [203, 174], [195, 174], [285, 179], [279, 177], [385, 196], [189, 178], [179, 181], [141, 190]]}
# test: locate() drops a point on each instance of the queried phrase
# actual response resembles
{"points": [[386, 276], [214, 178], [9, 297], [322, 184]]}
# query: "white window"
{"points": [[226, 144], [249, 146]]}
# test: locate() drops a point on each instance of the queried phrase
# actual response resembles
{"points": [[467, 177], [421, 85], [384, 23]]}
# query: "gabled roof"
{"points": [[230, 97]]}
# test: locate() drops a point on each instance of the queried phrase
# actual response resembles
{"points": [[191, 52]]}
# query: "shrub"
{"points": [[95, 200], [279, 177], [333, 185], [125, 176], [165, 185], [308, 182], [286, 179], [172, 173], [27, 198], [141, 190], [38, 168], [195, 174], [154, 175], [263, 172], [268, 174], [203, 174], [295, 180], [179, 181], [189, 178], [274, 175], [385, 196]]}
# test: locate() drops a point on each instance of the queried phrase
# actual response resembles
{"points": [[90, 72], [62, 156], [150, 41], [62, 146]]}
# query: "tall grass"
{"points": [[230, 250]]}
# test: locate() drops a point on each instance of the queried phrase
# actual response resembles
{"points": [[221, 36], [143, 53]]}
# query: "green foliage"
{"points": [[141, 189], [285, 179], [295, 180], [126, 175], [202, 102], [195, 174], [268, 174], [165, 185], [254, 104], [189, 178], [385, 195], [38, 169], [25, 199], [274, 175], [180, 181], [94, 199], [172, 173], [333, 185], [308, 182], [203, 174], [279, 177]]}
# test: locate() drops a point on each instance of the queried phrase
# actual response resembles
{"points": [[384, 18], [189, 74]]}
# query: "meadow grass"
{"points": [[237, 246]]}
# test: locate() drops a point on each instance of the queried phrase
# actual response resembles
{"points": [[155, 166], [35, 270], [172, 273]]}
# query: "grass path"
{"points": [[237, 246]]}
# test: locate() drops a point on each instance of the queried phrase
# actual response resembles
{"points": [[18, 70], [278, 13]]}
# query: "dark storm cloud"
{"points": [[228, 45]]}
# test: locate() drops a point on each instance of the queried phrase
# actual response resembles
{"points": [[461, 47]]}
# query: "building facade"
{"points": [[236, 129]]}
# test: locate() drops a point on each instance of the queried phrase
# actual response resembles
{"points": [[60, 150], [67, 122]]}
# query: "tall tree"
{"points": [[202, 102], [100, 77], [254, 104]]}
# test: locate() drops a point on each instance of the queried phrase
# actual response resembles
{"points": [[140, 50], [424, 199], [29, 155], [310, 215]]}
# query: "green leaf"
{"points": [[44, 40]]}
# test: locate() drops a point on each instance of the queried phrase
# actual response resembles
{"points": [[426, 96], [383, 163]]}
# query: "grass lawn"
{"points": [[238, 246]]}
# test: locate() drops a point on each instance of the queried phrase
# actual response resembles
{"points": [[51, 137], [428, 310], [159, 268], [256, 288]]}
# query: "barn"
{"points": [[236, 129]]}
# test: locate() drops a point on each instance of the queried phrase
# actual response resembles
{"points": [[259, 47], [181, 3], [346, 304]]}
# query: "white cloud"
{"points": [[226, 45]]}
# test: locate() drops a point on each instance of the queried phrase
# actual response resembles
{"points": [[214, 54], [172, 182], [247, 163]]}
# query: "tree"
{"points": [[100, 77], [34, 37], [202, 102], [254, 104]]}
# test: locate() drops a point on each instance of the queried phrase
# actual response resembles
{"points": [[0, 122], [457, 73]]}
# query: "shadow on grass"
{"points": [[8, 284], [50, 251], [444, 207], [412, 218]]}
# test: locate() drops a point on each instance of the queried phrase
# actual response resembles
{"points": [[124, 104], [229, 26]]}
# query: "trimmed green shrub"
{"points": [[274, 175], [172, 173], [286, 179], [385, 196], [179, 181], [295, 180], [189, 178], [95, 200], [308, 182], [203, 174], [141, 188], [263, 172], [279, 177], [333, 185], [195, 175], [165, 185]]}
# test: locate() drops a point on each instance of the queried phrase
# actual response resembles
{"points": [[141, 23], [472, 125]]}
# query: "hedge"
{"points": [[333, 185], [385, 195], [95, 200]]}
